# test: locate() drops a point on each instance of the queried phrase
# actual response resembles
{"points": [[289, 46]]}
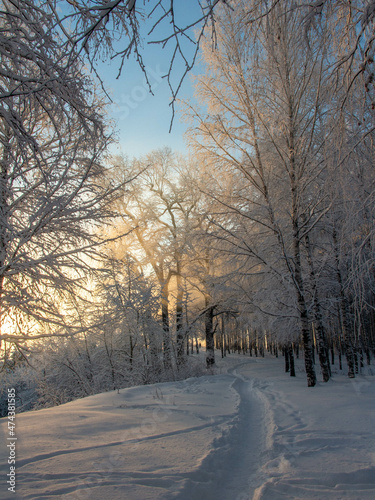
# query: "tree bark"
{"points": [[345, 324], [291, 361], [4, 193], [286, 356], [167, 354], [294, 176], [319, 327], [210, 344], [299, 286], [180, 338]]}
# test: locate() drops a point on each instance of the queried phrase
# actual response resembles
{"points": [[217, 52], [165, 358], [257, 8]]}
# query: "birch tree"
{"points": [[352, 24]]}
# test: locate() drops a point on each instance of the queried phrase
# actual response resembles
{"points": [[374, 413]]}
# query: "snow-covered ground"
{"points": [[249, 432]]}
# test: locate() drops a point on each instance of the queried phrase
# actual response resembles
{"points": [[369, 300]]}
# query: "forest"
{"points": [[118, 271]]}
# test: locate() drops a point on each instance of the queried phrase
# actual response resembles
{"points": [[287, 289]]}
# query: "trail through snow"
{"points": [[230, 470], [249, 432]]}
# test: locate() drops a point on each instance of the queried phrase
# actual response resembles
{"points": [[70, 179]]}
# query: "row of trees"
{"points": [[291, 124]]}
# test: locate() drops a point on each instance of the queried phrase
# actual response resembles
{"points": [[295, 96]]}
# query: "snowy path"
{"points": [[230, 471], [250, 432]]}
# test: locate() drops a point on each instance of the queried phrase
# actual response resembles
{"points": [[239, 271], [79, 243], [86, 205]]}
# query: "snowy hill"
{"points": [[249, 432]]}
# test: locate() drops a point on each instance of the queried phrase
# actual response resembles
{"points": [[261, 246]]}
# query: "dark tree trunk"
{"points": [[291, 361], [340, 357], [345, 324], [4, 212], [210, 344], [131, 352], [305, 327], [297, 271], [179, 319], [309, 364], [222, 336], [167, 354], [319, 327], [286, 355]]}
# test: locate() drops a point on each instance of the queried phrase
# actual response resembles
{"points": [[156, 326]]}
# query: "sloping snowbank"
{"points": [[138, 444], [250, 431]]}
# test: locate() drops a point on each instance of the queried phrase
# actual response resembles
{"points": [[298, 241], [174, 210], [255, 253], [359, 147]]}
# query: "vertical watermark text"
{"points": [[11, 440]]}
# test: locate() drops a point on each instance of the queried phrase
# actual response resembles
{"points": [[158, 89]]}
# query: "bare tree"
{"points": [[351, 22]]}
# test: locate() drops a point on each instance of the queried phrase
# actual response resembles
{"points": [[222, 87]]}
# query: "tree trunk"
{"points": [[4, 193], [210, 344], [345, 324], [286, 355], [131, 356], [167, 354], [291, 361], [319, 327], [298, 278], [222, 347], [299, 286], [180, 338]]}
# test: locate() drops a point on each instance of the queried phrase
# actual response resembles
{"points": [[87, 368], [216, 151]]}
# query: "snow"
{"points": [[248, 432]]}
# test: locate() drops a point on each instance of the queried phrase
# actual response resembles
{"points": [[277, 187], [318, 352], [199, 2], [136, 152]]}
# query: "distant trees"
{"points": [[157, 209], [170, 241], [126, 308], [208, 268]]}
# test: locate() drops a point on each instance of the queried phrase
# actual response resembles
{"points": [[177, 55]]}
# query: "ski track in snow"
{"points": [[249, 432]]}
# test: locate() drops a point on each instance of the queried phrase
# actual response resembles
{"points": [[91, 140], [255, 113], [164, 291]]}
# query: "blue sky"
{"points": [[142, 119]]}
